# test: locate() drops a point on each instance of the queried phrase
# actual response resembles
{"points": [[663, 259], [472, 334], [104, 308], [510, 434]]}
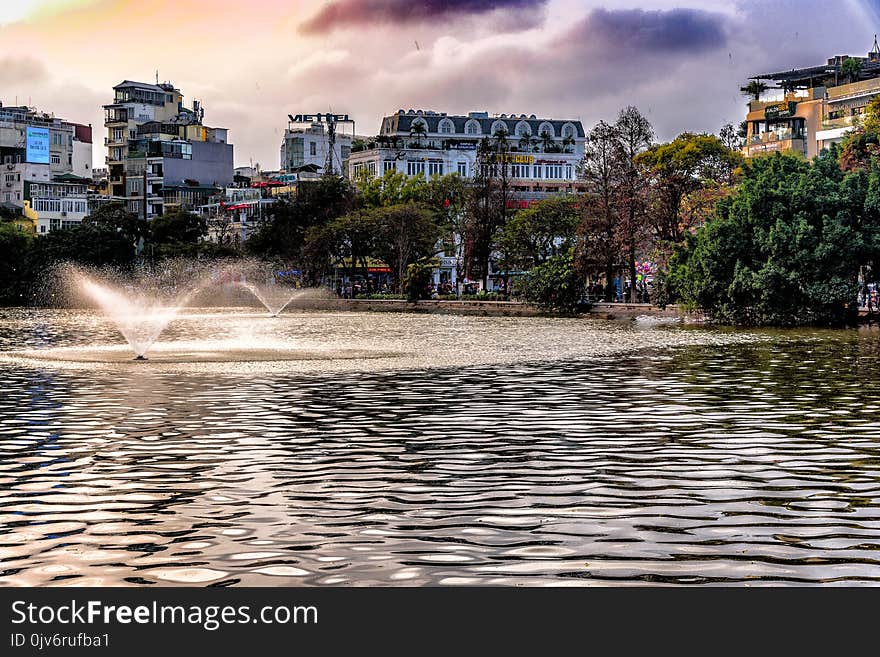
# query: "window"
{"points": [[313, 149], [538, 172], [69, 159], [389, 165], [462, 169], [472, 128], [414, 167], [43, 229], [56, 158], [446, 127], [554, 171], [435, 168], [568, 172]]}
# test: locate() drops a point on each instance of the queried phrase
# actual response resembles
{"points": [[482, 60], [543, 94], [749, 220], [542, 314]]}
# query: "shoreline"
{"points": [[490, 308]]}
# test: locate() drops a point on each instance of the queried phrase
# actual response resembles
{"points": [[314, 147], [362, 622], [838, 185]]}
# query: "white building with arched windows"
{"points": [[545, 153], [542, 157]]}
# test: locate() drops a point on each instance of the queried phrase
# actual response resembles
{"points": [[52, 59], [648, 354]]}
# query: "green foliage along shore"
{"points": [[794, 241], [787, 247]]}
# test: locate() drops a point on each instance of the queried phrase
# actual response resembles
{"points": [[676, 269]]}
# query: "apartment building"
{"points": [[160, 155]]}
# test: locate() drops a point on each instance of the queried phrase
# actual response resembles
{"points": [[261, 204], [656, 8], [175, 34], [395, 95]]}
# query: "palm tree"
{"points": [[754, 89], [567, 141], [851, 69], [418, 131], [526, 141], [546, 140], [501, 136]]}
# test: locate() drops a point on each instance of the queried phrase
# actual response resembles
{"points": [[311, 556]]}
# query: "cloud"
{"points": [[21, 70], [649, 32], [361, 13]]}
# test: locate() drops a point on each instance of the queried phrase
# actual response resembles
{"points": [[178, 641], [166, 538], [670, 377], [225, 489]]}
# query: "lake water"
{"points": [[365, 449]]}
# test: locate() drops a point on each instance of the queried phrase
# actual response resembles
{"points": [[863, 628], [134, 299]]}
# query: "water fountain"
{"points": [[141, 309], [274, 297], [141, 305]]}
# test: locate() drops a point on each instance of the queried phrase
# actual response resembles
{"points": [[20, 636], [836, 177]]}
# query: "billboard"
{"points": [[37, 145]]}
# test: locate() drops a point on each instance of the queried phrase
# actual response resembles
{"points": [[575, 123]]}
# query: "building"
{"points": [[314, 143], [235, 214], [811, 108], [541, 162], [46, 167], [160, 155], [544, 153], [59, 204]]}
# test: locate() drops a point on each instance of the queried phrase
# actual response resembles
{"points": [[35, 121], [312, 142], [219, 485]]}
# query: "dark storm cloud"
{"points": [[360, 13], [642, 32]]}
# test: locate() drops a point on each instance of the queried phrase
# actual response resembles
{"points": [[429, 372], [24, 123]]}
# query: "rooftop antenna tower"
{"points": [[331, 121]]}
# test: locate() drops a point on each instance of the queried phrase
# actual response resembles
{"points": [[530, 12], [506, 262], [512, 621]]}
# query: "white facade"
{"points": [[81, 162], [14, 176], [59, 213], [543, 154]]}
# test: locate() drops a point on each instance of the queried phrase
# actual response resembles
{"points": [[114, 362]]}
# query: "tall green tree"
{"points": [[404, 235], [15, 247], [634, 135], [534, 235], [598, 244], [786, 248], [677, 169]]}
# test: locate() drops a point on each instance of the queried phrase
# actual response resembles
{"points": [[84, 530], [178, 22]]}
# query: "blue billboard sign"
{"points": [[37, 145]]}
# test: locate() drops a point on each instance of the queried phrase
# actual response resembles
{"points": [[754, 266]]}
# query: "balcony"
{"points": [[840, 122], [782, 143], [776, 136]]}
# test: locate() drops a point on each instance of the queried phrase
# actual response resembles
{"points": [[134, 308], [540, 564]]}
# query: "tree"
{"points": [[729, 136], [634, 134], [527, 142], [555, 285], [349, 238], [485, 210], [418, 130], [87, 244], [686, 165], [178, 228], [405, 234], [535, 235], [600, 170], [114, 216], [393, 188], [851, 69], [754, 89], [282, 236], [786, 248], [15, 246], [546, 140]]}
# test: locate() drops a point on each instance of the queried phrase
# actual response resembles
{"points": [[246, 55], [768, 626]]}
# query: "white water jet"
{"points": [[140, 317], [274, 297]]}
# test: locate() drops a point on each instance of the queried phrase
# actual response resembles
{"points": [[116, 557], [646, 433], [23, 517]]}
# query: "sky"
{"points": [[251, 64]]}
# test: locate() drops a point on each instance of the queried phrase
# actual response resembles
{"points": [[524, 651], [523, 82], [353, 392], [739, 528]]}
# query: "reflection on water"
{"points": [[688, 457]]}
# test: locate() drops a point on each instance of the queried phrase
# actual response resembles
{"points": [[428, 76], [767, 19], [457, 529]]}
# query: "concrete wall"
{"points": [[211, 164]]}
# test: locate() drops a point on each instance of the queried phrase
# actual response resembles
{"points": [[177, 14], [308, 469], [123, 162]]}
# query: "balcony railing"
{"points": [[769, 137], [841, 122]]}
